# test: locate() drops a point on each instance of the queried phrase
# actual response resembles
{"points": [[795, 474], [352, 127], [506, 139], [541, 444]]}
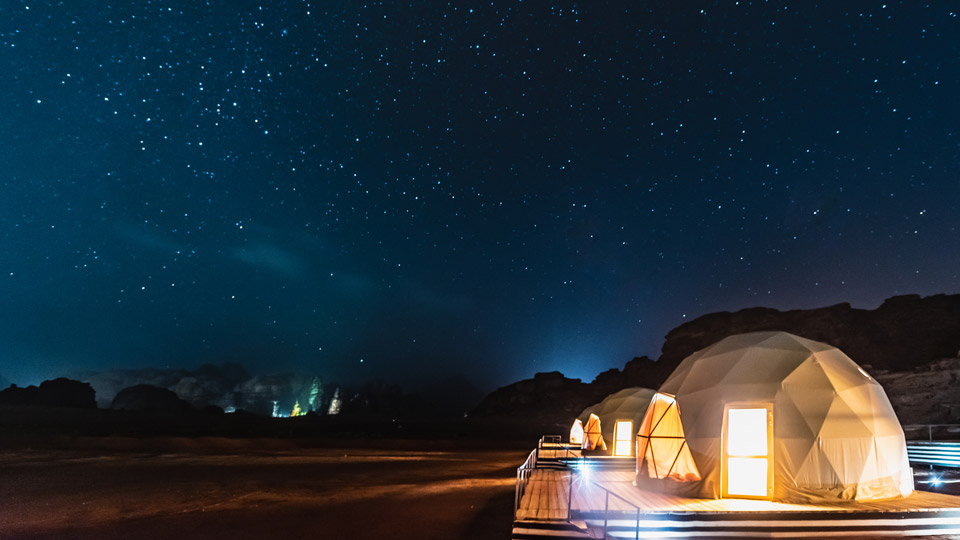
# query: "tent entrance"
{"points": [[623, 438], [747, 464]]}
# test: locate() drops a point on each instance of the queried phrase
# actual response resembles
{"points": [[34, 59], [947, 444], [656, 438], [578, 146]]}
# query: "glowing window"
{"points": [[622, 437], [747, 476], [747, 432]]}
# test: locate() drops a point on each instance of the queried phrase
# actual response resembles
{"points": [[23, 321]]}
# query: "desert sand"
{"points": [[226, 488]]}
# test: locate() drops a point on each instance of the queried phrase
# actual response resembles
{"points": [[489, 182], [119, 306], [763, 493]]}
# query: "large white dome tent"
{"points": [[772, 415]]}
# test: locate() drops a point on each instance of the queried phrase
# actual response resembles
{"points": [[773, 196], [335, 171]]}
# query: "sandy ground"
{"points": [[284, 494], [187, 489]]}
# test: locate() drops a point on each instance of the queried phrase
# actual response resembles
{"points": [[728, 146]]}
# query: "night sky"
{"points": [[400, 191]]}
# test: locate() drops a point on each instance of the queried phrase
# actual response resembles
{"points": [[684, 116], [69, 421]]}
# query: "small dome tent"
{"points": [[627, 405], [776, 416], [592, 439]]}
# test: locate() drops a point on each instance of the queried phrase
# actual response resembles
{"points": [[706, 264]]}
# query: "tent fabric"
{"points": [[576, 432], [592, 436], [627, 404], [661, 442], [835, 434]]}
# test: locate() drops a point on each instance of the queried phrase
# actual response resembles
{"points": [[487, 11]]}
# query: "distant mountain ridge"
{"points": [[903, 334]]}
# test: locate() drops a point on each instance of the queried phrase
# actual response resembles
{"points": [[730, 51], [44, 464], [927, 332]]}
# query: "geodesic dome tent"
{"points": [[592, 439], [628, 404], [773, 415]]}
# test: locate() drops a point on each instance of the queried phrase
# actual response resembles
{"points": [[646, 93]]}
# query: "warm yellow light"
{"points": [[576, 432], [747, 476], [622, 437], [747, 432]]}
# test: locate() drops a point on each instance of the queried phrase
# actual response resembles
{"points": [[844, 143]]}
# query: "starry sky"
{"points": [[414, 191]]}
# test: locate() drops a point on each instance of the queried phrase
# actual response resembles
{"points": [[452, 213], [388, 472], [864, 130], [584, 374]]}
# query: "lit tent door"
{"points": [[622, 437], [747, 445]]}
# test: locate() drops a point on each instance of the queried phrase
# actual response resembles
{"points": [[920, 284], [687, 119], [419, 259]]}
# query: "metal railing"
{"points": [[524, 472], [606, 511], [937, 454], [556, 444]]}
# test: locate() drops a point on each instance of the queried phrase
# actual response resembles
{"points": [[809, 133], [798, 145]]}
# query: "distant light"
{"points": [[936, 481]]}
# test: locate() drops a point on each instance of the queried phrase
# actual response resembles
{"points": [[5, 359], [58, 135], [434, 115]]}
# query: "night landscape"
{"points": [[310, 270]]}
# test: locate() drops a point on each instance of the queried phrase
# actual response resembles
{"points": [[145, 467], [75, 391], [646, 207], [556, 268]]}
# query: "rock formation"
{"points": [[903, 333], [897, 342], [144, 397], [54, 393]]}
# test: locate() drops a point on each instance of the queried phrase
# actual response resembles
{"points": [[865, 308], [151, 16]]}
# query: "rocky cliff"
{"points": [[904, 342], [552, 400], [903, 333]]}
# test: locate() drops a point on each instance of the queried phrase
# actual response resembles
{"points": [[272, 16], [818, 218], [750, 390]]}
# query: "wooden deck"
{"points": [[549, 490], [547, 494]]}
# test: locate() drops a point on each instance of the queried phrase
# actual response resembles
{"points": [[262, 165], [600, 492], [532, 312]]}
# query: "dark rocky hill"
{"points": [[53, 393], [903, 334], [550, 399]]}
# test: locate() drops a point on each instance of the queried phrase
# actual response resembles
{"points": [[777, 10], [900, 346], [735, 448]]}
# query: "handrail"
{"points": [[523, 478], [934, 453], [606, 510]]}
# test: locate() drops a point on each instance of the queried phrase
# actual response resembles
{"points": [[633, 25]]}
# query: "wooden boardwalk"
{"points": [[549, 496]]}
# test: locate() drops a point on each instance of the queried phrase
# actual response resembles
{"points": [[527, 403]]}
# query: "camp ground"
{"points": [[764, 434]]}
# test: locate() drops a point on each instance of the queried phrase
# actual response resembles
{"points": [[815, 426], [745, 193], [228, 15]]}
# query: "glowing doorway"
{"points": [[622, 437], [747, 445]]}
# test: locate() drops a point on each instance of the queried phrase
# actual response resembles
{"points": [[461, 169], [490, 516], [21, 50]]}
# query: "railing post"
{"points": [[570, 496], [516, 496], [930, 432], [606, 511], [637, 537]]}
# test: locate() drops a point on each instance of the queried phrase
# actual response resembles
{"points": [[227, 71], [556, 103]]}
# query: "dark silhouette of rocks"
{"points": [[554, 400], [207, 385], [53, 393], [901, 334], [66, 393], [148, 398], [928, 394], [16, 395], [547, 397], [452, 397], [904, 334], [380, 398]]}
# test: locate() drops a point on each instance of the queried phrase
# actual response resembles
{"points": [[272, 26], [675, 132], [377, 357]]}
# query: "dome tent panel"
{"points": [[592, 437], [576, 432], [662, 448]]}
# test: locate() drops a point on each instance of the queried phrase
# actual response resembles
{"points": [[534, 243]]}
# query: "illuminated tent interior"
{"points": [[776, 416], [661, 443], [576, 432], [620, 414], [592, 437]]}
